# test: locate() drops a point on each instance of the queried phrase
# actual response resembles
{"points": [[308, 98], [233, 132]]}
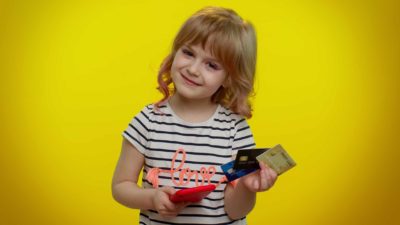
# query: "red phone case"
{"points": [[194, 194]]}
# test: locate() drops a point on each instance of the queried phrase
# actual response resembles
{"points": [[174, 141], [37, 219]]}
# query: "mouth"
{"points": [[189, 81]]}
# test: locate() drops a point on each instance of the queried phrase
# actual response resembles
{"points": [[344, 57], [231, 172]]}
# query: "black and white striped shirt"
{"points": [[188, 155]]}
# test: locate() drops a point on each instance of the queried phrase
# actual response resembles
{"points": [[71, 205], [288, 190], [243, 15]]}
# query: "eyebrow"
{"points": [[209, 58]]}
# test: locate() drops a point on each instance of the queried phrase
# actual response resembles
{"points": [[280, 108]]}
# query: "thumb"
{"points": [[168, 190]]}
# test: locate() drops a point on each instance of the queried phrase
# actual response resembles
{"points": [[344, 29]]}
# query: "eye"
{"points": [[187, 52], [213, 66]]}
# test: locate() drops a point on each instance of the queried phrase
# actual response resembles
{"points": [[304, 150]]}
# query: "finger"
{"points": [[263, 166], [272, 172], [184, 204], [169, 190], [170, 206], [160, 209], [264, 180], [256, 185], [273, 176], [167, 203], [167, 212], [180, 205]]}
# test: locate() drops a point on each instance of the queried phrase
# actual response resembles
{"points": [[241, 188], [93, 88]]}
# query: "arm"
{"points": [[241, 199], [124, 185], [126, 191]]}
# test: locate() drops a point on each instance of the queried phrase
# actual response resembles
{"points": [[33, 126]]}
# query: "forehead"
{"points": [[205, 52]]}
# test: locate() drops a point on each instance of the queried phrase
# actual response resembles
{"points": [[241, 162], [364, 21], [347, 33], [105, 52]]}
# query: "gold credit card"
{"points": [[278, 159]]}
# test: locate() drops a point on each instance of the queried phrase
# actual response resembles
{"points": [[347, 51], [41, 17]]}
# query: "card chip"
{"points": [[244, 158]]}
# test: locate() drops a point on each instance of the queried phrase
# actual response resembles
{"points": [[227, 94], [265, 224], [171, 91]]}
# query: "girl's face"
{"points": [[196, 73]]}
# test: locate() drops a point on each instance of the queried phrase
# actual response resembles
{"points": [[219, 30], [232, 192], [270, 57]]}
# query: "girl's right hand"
{"points": [[164, 206]]}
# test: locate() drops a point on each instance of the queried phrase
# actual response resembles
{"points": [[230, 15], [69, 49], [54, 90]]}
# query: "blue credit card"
{"points": [[233, 174]]}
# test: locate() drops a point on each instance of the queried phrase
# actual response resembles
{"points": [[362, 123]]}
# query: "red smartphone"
{"points": [[194, 194]]}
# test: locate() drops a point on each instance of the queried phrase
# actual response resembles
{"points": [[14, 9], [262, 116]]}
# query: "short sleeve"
{"points": [[137, 132], [243, 138]]}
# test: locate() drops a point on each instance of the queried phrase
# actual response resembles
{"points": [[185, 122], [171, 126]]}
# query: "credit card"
{"points": [[247, 158], [278, 159], [233, 174]]}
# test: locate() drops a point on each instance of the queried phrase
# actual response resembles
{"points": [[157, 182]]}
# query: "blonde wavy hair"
{"points": [[232, 41]]}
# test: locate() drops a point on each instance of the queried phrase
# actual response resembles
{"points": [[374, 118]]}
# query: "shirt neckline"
{"points": [[182, 121]]}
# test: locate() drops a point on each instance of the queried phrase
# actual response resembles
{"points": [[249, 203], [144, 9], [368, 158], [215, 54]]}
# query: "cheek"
{"points": [[173, 66], [221, 77], [175, 63], [179, 61], [174, 70], [216, 80]]}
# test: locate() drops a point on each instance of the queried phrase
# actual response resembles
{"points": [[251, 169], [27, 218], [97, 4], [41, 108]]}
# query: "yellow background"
{"points": [[74, 73]]}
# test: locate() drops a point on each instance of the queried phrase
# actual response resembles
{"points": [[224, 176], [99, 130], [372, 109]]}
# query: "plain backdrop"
{"points": [[74, 73]]}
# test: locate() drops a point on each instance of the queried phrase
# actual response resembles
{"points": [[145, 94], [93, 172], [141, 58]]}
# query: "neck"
{"points": [[198, 110]]}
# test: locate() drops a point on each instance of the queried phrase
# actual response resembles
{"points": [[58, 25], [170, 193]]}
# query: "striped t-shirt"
{"points": [[182, 154]]}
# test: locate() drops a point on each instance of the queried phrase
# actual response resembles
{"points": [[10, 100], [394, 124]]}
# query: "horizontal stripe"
{"points": [[186, 126], [196, 215], [160, 114], [244, 146], [240, 121], [205, 207], [225, 113], [194, 219], [177, 142], [242, 129], [167, 180], [137, 131], [200, 215], [133, 138], [165, 168], [189, 143], [242, 138], [151, 107], [186, 161], [176, 178], [224, 121], [188, 135], [188, 152], [141, 123]]}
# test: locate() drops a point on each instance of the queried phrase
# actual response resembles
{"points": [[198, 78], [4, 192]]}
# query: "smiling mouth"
{"points": [[189, 81]]}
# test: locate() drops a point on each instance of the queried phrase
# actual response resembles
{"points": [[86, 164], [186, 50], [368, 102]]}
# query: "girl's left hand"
{"points": [[261, 180]]}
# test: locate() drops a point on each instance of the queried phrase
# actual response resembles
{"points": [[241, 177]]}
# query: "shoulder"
{"points": [[227, 114], [240, 131], [145, 112], [151, 109]]}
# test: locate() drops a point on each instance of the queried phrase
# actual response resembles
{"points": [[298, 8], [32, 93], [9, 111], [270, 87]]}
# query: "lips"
{"points": [[189, 81]]}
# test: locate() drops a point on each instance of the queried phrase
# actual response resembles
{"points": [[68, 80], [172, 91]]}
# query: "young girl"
{"points": [[199, 125]]}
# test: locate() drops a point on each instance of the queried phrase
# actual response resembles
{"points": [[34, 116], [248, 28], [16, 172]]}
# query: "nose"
{"points": [[194, 68]]}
